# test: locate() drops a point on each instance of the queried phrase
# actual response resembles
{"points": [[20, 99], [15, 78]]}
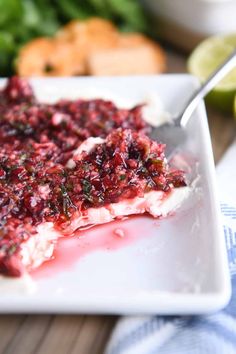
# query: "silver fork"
{"points": [[173, 133]]}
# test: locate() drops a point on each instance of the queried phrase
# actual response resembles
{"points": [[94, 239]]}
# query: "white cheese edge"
{"points": [[155, 114]]}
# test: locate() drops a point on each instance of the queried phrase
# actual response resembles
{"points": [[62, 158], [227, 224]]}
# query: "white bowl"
{"points": [[206, 17]]}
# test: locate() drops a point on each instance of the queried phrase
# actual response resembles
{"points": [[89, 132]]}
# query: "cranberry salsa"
{"points": [[37, 141]]}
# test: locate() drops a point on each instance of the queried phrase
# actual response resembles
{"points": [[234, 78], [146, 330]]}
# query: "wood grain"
{"points": [[222, 130], [29, 334], [88, 334]]}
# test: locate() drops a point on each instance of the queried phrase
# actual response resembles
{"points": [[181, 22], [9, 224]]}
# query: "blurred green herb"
{"points": [[22, 20]]}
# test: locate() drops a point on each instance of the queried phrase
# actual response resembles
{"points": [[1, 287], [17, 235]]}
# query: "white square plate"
{"points": [[177, 265]]}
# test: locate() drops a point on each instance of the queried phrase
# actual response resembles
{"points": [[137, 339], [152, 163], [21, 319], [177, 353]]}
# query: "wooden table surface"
{"points": [[44, 334]]}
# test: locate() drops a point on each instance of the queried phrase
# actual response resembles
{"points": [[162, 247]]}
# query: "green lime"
{"points": [[205, 58], [235, 107]]}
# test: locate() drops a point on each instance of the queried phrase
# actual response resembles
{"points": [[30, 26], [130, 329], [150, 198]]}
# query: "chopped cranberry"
{"points": [[2, 173], [18, 90], [38, 140]]}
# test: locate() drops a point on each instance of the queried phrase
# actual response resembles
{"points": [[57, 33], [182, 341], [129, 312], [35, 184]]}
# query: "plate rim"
{"points": [[184, 303]]}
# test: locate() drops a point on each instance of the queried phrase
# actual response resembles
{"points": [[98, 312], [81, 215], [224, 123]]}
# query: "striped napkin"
{"points": [[212, 334]]}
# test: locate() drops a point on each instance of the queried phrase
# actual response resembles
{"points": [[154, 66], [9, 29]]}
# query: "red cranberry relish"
{"points": [[66, 123], [35, 183], [127, 165]]}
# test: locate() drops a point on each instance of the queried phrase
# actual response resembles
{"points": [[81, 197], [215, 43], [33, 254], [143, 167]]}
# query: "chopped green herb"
{"points": [[157, 162], [86, 186], [85, 167], [122, 177], [12, 249], [67, 203]]}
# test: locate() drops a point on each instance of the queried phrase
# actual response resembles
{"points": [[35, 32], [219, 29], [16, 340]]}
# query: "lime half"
{"points": [[207, 56], [235, 107]]}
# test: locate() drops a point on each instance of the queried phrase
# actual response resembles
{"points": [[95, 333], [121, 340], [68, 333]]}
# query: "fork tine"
{"points": [[171, 135]]}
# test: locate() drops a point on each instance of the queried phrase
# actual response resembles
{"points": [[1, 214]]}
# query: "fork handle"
{"points": [[204, 89]]}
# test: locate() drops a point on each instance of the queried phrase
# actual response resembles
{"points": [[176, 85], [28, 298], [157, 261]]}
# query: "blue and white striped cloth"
{"points": [[212, 334]]}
